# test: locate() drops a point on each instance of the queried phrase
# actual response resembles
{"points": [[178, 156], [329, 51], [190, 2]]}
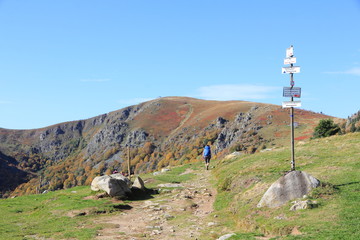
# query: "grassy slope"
{"points": [[53, 215], [335, 160], [241, 182]]}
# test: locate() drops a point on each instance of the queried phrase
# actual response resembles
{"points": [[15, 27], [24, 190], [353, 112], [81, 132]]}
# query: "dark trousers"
{"points": [[207, 159]]}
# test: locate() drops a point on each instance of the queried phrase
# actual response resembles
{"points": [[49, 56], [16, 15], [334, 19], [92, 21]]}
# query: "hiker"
{"points": [[207, 156]]}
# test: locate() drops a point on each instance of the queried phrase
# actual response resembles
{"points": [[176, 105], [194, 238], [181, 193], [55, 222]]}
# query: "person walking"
{"points": [[207, 156]]}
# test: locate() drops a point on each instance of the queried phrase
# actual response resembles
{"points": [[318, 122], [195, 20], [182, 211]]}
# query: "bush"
{"points": [[326, 128]]}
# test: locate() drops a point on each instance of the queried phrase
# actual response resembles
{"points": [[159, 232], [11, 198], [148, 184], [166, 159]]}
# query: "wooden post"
{"points": [[290, 59], [292, 126], [129, 162]]}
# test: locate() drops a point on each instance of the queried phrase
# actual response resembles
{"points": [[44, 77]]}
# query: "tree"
{"points": [[353, 128], [326, 128]]}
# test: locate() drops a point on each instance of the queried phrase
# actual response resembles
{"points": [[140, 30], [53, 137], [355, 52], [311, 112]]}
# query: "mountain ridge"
{"points": [[164, 131]]}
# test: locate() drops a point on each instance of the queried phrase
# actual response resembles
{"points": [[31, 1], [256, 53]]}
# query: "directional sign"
{"points": [[292, 92], [290, 104], [290, 60], [290, 69], [290, 52]]}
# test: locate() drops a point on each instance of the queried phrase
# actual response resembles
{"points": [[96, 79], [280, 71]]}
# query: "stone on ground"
{"points": [[115, 185], [224, 237], [294, 184], [139, 183]]}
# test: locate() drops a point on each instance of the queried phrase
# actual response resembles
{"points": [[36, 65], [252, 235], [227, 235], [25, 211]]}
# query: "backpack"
{"points": [[207, 151]]}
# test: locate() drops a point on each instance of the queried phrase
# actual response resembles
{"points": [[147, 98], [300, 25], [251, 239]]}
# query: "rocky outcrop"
{"points": [[294, 184], [242, 130], [116, 185]]}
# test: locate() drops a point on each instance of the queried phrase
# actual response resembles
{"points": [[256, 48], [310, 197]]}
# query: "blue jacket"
{"points": [[207, 151]]}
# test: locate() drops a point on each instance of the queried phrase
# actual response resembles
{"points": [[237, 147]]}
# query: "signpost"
{"points": [[291, 69], [291, 104], [290, 60], [290, 51], [291, 92]]}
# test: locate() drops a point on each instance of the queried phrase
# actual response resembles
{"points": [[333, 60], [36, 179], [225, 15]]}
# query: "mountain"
{"points": [[165, 131]]}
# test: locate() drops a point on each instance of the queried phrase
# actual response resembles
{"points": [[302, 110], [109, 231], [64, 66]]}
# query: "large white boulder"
{"points": [[116, 185], [294, 184]]}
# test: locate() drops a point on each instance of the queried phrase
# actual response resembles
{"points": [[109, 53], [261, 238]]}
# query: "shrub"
{"points": [[326, 128]]}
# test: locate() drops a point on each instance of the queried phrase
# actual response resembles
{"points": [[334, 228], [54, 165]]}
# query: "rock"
{"points": [[280, 217], [220, 122], [121, 177], [156, 232], [165, 170], [156, 173], [210, 224], [170, 185], [139, 183], [307, 204], [168, 216], [224, 237], [232, 155], [294, 184], [116, 185]]}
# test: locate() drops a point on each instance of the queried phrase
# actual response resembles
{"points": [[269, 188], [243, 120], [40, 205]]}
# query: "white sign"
{"points": [[290, 52], [290, 69], [292, 92], [290, 60], [291, 104]]}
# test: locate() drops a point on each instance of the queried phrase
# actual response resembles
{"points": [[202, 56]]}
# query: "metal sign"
{"points": [[291, 104], [290, 69], [292, 92], [290, 60], [290, 52]]}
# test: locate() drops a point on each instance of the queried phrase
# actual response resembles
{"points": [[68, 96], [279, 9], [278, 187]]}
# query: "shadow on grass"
{"points": [[346, 184]]}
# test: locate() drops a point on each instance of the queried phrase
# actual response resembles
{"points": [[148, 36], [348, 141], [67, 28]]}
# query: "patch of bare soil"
{"points": [[178, 214]]}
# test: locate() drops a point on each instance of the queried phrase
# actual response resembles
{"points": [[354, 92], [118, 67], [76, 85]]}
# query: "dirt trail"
{"points": [[178, 214]]}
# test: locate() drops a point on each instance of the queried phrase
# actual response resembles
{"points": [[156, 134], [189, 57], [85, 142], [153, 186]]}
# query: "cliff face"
{"points": [[164, 131]]}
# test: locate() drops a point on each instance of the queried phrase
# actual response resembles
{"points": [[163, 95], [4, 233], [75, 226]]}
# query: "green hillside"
{"points": [[334, 161], [240, 183]]}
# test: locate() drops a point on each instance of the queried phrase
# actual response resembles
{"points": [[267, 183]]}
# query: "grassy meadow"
{"points": [[68, 214], [335, 161], [240, 184]]}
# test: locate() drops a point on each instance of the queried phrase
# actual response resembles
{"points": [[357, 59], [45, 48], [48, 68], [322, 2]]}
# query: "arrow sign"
{"points": [[290, 52], [290, 60], [292, 92], [290, 69], [290, 104]]}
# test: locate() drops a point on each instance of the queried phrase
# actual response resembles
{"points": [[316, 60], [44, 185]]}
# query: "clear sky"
{"points": [[66, 60]]}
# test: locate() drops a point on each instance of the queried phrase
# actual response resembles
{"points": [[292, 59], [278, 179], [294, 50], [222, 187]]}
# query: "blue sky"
{"points": [[75, 59]]}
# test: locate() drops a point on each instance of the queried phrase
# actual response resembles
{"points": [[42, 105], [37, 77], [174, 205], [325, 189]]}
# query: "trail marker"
{"points": [[290, 60], [290, 51], [291, 69], [291, 92], [291, 104]]}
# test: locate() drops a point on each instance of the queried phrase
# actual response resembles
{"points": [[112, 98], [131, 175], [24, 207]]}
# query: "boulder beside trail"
{"points": [[116, 185], [139, 183], [294, 184]]}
